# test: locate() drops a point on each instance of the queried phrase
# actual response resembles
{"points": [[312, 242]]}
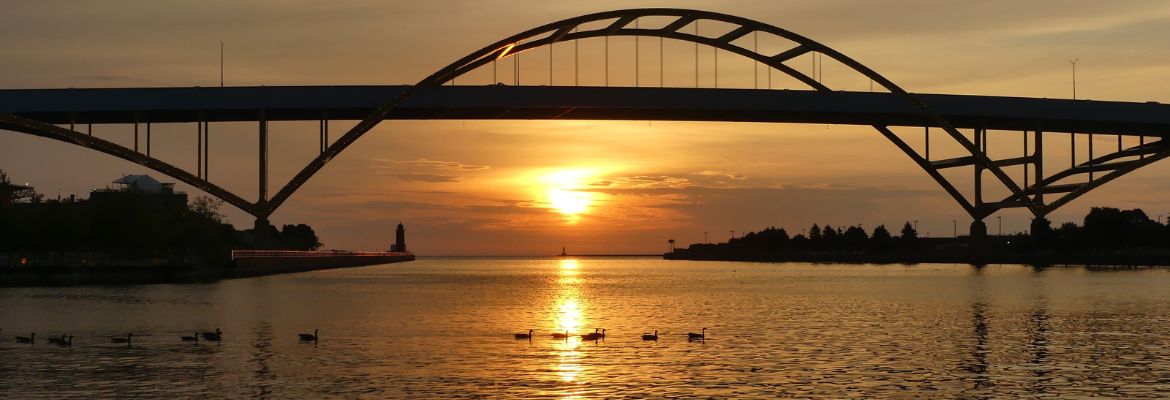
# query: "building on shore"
{"points": [[161, 196]]}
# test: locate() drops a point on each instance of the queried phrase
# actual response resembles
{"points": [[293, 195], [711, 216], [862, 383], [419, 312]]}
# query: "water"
{"points": [[442, 328]]}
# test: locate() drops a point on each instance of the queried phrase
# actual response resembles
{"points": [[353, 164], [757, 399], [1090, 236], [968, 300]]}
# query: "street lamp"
{"points": [[955, 228], [1000, 219], [1074, 81], [705, 238], [915, 226]]}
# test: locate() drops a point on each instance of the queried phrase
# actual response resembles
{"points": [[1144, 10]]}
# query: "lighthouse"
{"points": [[399, 239]]}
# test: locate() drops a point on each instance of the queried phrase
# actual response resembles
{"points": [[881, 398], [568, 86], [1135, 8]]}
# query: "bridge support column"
{"points": [[978, 230], [263, 145], [263, 233], [1040, 227]]}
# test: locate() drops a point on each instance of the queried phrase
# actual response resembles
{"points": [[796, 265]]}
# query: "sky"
{"points": [[514, 187]]}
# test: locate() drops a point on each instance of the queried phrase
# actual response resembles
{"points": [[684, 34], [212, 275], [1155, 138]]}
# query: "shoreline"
{"points": [[1099, 260]]}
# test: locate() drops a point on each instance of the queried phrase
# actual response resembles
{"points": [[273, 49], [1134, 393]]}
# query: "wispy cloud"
{"points": [[427, 163]]}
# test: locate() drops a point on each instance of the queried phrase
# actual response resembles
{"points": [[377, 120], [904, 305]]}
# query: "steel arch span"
{"points": [[625, 23], [569, 29]]}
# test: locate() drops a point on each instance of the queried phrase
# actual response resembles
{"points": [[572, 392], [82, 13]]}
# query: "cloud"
{"points": [[419, 177], [728, 175], [431, 164]]}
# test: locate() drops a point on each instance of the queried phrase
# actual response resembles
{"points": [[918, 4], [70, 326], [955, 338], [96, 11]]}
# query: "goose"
{"points": [[66, 341], [648, 336], [559, 335], [60, 340], [597, 334], [125, 340], [305, 337], [212, 336], [697, 336], [30, 339], [524, 335], [193, 338]]}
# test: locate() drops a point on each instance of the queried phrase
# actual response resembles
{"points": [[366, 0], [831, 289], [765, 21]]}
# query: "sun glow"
{"points": [[562, 194]]}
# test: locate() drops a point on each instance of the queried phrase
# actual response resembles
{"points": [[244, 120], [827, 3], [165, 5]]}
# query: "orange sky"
{"points": [[530, 187]]}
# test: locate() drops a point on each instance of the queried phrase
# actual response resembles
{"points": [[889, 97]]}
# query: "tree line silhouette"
{"points": [[1107, 234], [128, 225]]}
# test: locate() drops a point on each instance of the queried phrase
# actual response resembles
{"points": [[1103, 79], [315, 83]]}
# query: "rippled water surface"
{"points": [[443, 328]]}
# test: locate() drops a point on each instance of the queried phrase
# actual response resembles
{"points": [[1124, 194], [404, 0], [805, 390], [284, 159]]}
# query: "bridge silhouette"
{"points": [[57, 113]]}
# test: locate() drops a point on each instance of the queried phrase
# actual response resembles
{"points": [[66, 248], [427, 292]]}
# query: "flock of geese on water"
{"points": [[599, 334], [207, 336], [217, 336]]}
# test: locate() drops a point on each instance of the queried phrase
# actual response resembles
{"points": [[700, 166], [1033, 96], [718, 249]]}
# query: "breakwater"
{"points": [[249, 263], [94, 270]]}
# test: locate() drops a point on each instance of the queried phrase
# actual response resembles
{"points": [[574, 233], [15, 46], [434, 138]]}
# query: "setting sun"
{"points": [[560, 192]]}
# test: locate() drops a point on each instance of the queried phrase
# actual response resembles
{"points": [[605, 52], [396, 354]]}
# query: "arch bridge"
{"points": [[57, 113]]}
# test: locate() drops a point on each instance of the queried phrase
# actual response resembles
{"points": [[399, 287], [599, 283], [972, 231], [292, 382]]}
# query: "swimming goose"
{"points": [[697, 336], [193, 338], [524, 335], [58, 340], [212, 336], [66, 341], [597, 334], [647, 336], [561, 335], [305, 337], [32, 337], [125, 340]]}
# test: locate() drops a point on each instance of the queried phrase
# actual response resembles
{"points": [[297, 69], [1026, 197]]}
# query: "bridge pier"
{"points": [[978, 230], [1040, 227]]}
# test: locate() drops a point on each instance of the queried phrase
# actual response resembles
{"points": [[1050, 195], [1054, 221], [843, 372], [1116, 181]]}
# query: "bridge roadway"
{"points": [[312, 103]]}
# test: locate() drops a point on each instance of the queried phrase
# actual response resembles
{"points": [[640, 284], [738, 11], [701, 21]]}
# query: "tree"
{"points": [[207, 207], [854, 237], [814, 233], [908, 232], [300, 237], [830, 238], [881, 240]]}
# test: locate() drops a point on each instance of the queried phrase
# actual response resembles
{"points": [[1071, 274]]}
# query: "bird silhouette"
{"points": [[125, 340], [697, 336]]}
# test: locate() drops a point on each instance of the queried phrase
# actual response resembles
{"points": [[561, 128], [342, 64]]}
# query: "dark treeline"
{"points": [[130, 225], [1105, 232]]}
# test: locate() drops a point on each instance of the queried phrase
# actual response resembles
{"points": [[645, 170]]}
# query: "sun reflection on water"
{"points": [[569, 317]]}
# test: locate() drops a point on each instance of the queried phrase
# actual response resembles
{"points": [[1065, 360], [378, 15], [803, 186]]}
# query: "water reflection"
{"points": [[568, 316]]}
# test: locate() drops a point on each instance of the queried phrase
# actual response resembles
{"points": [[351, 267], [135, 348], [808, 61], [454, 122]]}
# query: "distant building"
{"points": [[399, 239], [160, 195]]}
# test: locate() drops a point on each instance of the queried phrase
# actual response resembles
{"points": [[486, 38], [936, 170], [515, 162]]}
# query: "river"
{"points": [[443, 328]]}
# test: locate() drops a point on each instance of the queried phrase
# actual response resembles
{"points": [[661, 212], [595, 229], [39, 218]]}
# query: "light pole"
{"points": [[1074, 81], [705, 238], [220, 63], [955, 228], [915, 227], [732, 235], [1000, 219]]}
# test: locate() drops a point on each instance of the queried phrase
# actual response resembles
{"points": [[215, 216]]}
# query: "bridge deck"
{"points": [[291, 103]]}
